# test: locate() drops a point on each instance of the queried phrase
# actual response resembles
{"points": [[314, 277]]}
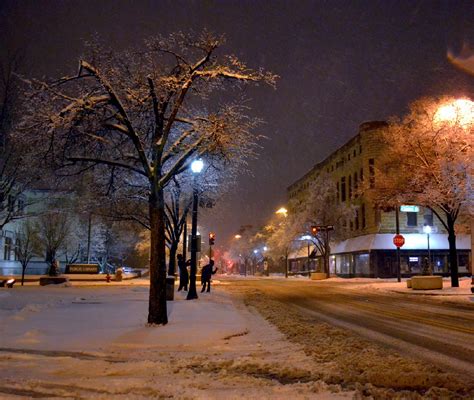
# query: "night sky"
{"points": [[340, 63]]}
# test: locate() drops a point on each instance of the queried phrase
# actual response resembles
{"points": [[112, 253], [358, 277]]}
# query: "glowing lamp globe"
{"points": [[197, 166]]}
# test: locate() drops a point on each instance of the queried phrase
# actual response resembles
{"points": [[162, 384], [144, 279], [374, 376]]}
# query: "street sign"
{"points": [[398, 240], [407, 208], [198, 243]]}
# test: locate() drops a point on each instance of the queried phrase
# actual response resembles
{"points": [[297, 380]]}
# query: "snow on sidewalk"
{"points": [[93, 342]]}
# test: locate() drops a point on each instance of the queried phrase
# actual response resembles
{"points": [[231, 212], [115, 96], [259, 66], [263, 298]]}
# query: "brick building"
{"points": [[367, 249]]}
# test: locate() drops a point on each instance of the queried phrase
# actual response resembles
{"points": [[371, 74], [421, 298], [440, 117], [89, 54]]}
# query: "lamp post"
{"points": [[254, 264], [308, 240], [196, 168], [427, 229]]}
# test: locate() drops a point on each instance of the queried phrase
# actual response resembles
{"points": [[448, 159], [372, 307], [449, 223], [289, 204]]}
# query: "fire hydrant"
{"points": [[108, 277]]}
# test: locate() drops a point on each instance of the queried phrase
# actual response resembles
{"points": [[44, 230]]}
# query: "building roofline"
{"points": [[363, 127]]}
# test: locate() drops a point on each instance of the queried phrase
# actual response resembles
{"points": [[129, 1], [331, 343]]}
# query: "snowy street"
{"points": [[335, 339], [367, 331]]}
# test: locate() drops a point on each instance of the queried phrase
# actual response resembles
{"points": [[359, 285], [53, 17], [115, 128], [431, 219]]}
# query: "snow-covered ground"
{"points": [[92, 342]]}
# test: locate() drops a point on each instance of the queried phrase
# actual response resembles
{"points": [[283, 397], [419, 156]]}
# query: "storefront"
{"points": [[375, 255]]}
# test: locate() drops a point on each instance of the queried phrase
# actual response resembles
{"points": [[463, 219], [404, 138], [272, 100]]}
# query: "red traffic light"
{"points": [[212, 238]]}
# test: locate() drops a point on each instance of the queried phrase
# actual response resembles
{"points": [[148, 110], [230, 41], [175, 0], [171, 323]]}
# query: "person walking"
{"points": [[183, 273], [206, 274]]}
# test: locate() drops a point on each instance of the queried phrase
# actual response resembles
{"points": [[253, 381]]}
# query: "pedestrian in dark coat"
{"points": [[206, 274], [183, 273]]}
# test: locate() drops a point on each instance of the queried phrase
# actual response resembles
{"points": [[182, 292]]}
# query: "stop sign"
{"points": [[398, 240]]}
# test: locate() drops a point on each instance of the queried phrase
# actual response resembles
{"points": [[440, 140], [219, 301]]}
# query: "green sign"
{"points": [[409, 208]]}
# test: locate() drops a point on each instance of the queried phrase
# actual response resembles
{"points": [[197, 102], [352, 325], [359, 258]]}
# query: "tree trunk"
{"points": [[157, 311], [453, 255], [172, 262]]}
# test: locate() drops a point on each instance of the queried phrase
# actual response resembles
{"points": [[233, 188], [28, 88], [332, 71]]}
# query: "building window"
{"points": [[357, 220], [21, 205], [428, 217], [412, 219], [362, 211], [352, 225], [354, 153], [360, 149], [337, 192], [371, 173], [361, 175], [343, 189], [7, 249], [356, 184], [11, 203], [350, 186], [17, 248]]}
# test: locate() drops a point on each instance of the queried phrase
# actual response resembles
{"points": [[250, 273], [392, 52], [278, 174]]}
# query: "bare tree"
{"points": [[143, 117], [282, 232], [54, 230], [27, 246], [177, 209], [322, 207], [15, 173], [429, 161]]}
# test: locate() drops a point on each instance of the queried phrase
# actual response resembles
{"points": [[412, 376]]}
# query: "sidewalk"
{"points": [[94, 342], [391, 285]]}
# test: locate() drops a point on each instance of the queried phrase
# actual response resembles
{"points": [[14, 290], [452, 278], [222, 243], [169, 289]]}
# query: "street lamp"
{"points": [[427, 229], [282, 211], [196, 168]]}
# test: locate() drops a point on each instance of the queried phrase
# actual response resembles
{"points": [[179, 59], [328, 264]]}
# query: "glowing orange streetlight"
{"points": [[459, 111], [282, 211]]}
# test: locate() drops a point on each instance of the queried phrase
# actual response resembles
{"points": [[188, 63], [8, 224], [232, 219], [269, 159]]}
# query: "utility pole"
{"points": [[89, 228], [397, 228]]}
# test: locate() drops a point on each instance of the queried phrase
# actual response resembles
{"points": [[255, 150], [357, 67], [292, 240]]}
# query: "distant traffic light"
{"points": [[314, 230], [212, 238]]}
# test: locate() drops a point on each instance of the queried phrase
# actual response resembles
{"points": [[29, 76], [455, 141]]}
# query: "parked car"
{"points": [[127, 270]]}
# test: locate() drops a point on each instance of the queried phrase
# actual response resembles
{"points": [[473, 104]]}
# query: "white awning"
{"points": [[413, 241]]}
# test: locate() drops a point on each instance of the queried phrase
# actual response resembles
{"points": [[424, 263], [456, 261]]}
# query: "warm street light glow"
{"points": [[427, 229], [197, 166], [237, 236], [460, 111], [265, 248], [282, 210]]}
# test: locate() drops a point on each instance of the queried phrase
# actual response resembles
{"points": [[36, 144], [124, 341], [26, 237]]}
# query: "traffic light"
{"points": [[314, 230], [212, 238]]}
